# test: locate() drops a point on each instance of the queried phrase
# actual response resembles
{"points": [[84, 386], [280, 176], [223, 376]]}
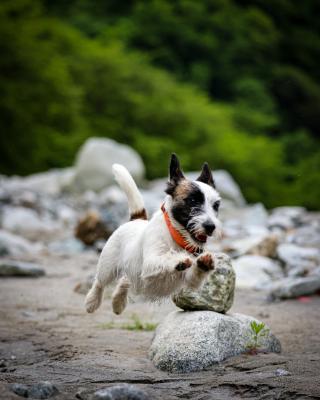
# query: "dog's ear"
{"points": [[175, 174], [206, 175]]}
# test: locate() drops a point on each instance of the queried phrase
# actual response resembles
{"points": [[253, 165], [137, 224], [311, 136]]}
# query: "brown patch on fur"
{"points": [[142, 214], [205, 262], [183, 265], [183, 188]]}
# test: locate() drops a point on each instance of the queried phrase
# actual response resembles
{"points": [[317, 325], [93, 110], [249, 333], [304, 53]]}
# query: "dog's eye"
{"points": [[216, 206]]}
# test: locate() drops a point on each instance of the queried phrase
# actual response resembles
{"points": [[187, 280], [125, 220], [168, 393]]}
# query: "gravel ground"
{"points": [[45, 334]]}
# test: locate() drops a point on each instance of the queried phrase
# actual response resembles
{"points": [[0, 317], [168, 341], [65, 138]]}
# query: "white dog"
{"points": [[157, 258]]}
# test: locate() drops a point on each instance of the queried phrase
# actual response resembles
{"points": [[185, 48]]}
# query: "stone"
{"points": [[263, 245], [69, 245], [292, 287], [285, 218], [49, 182], [217, 292], [41, 390], [91, 228], [256, 272], [28, 223], [20, 389], [308, 236], [293, 255], [254, 216], [293, 212], [13, 245], [120, 392], [195, 340], [19, 268], [94, 161], [281, 372]]}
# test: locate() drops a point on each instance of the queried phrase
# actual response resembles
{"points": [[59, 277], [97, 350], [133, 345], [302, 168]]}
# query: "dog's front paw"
{"points": [[183, 265], [205, 262]]}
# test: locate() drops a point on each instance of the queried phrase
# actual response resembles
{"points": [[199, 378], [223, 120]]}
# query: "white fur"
{"points": [[143, 255], [128, 185]]}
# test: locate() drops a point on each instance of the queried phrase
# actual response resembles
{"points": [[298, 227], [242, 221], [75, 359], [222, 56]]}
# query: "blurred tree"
{"points": [[67, 75]]}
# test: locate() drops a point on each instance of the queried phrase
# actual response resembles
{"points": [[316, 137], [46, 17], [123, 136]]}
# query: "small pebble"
{"points": [[282, 372]]}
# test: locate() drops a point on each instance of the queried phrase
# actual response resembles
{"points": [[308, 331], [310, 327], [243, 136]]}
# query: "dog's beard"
{"points": [[198, 233]]}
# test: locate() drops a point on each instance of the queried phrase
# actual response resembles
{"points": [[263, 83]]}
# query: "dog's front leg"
{"points": [[195, 276], [163, 275]]}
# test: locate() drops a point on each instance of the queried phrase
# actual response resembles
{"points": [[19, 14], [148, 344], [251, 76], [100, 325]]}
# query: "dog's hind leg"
{"points": [[119, 296], [106, 273]]}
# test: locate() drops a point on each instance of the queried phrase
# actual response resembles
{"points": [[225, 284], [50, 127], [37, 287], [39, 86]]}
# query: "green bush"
{"points": [[59, 87]]}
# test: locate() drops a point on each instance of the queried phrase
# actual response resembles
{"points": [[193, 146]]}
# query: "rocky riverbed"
{"points": [[52, 227]]}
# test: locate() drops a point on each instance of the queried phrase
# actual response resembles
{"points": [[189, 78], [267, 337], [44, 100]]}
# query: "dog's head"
{"points": [[194, 204]]}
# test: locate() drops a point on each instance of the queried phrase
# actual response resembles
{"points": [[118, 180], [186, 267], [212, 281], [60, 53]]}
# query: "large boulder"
{"points": [[217, 292], [192, 341], [256, 272], [94, 161]]}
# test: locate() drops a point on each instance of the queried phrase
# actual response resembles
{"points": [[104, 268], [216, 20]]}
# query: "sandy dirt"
{"points": [[45, 334]]}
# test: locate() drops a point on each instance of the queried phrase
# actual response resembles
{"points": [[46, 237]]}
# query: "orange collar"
{"points": [[177, 237]]}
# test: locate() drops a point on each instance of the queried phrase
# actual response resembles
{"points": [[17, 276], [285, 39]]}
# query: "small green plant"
{"points": [[107, 325], [138, 325], [135, 325], [258, 331]]}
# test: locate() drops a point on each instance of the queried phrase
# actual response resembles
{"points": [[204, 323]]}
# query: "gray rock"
{"points": [[19, 268], [28, 223], [41, 390], [66, 246], [290, 287], [292, 212], [49, 182], [256, 272], [308, 236], [94, 161], [217, 292], [243, 218], [281, 372], [263, 245], [20, 389], [285, 218], [292, 256], [120, 392], [13, 245], [192, 341]]}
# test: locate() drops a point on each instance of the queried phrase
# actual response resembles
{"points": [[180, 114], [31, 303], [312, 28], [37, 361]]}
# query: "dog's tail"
{"points": [[135, 200]]}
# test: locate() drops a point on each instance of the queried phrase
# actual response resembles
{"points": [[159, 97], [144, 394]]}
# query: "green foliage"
{"points": [[257, 331], [68, 72]]}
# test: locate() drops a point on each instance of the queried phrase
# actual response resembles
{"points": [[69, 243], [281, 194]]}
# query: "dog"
{"points": [[157, 258]]}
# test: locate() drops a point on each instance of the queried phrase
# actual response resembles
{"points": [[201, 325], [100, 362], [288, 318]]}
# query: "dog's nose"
{"points": [[209, 227]]}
